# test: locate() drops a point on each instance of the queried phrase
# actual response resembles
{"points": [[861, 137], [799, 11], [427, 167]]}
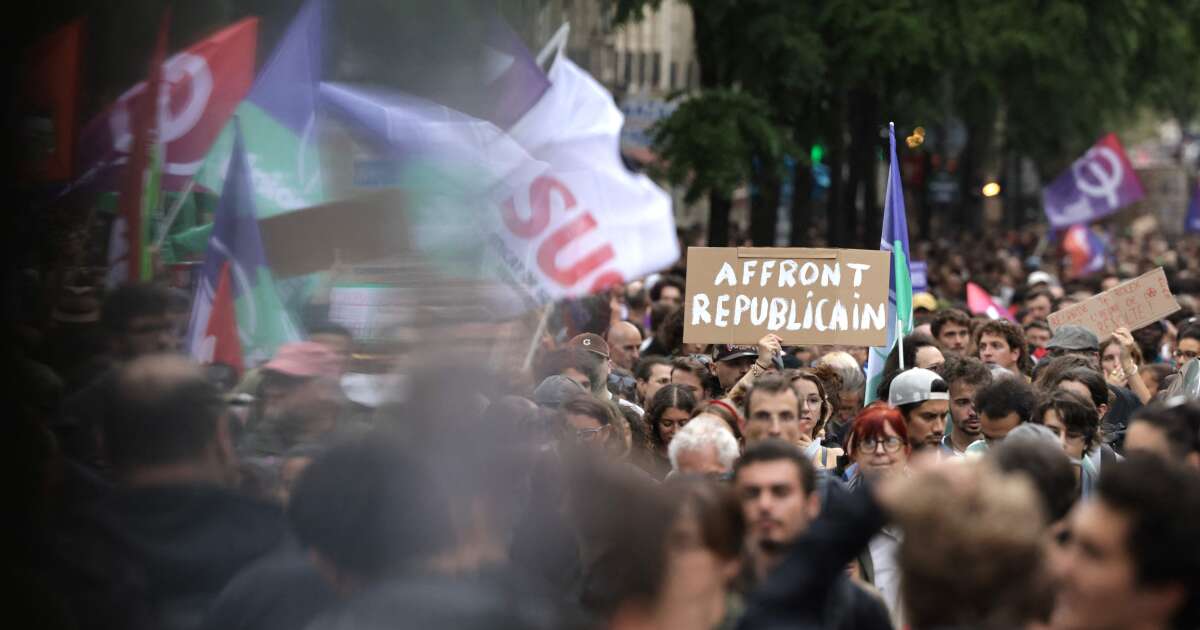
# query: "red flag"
{"points": [[205, 83], [222, 330], [980, 303], [145, 134], [51, 104]]}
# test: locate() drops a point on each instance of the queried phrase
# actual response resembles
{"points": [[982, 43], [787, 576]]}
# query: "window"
{"points": [[628, 67], [656, 70], [674, 76]]}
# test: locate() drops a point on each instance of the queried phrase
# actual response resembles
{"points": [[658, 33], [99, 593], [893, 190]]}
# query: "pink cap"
{"points": [[304, 359]]}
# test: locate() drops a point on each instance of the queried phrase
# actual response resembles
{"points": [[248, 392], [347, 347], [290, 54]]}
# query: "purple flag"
{"points": [[1097, 185]]}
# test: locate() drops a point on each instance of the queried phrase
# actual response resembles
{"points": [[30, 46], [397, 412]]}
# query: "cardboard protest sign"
{"points": [[806, 296], [1132, 304]]}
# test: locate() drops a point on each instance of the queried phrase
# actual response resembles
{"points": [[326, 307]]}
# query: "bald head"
{"points": [[166, 414], [624, 344]]}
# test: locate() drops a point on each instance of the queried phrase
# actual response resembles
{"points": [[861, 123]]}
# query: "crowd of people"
{"points": [[1003, 475]]}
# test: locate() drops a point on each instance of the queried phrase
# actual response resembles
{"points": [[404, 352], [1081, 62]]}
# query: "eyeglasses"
{"points": [[1180, 355], [587, 435], [890, 444]]}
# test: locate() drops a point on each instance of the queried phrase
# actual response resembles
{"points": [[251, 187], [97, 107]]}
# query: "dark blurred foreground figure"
{"points": [[777, 487], [942, 552], [135, 323], [1130, 558], [172, 524]]}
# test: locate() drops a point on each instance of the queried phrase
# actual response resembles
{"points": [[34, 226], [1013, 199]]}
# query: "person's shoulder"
{"points": [[978, 447]]}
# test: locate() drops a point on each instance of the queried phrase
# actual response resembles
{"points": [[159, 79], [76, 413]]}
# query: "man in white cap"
{"points": [[924, 400]]}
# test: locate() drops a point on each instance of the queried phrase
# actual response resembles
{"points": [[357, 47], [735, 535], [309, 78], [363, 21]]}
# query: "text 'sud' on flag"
{"points": [[237, 317], [1096, 185], [895, 240]]}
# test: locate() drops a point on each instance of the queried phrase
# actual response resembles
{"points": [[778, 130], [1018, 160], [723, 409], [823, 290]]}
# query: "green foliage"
{"points": [[1058, 73], [699, 138]]}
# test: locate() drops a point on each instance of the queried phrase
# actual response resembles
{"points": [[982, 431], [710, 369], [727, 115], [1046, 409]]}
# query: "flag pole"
{"points": [[900, 341], [173, 213]]}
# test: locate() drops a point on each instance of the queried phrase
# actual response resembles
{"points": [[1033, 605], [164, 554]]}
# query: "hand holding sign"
{"points": [[1130, 305]]}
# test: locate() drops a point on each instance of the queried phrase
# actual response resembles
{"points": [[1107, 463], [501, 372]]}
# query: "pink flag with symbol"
{"points": [[980, 303]]}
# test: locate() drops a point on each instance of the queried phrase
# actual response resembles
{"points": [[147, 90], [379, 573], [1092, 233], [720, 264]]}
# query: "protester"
{"points": [[730, 363], [668, 291], [727, 413], [776, 485], [1129, 558], [652, 373], [952, 330], [1075, 422], [670, 411], [965, 376], [1002, 343], [1187, 346], [555, 390], [704, 446], [878, 444], [1037, 335], [1002, 406], [1170, 432], [1039, 303], [136, 323], [923, 398], [1034, 451], [590, 423], [850, 396], [175, 517], [692, 373], [815, 411], [298, 402], [624, 341]]}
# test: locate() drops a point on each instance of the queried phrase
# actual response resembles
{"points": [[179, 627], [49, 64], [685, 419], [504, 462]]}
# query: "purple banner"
{"points": [[1097, 185]]}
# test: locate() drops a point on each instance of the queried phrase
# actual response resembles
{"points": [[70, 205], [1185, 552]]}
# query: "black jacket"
{"points": [[809, 589]]}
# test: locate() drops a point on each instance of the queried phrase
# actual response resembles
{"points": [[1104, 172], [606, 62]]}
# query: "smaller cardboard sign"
{"points": [[1132, 304], [737, 295]]}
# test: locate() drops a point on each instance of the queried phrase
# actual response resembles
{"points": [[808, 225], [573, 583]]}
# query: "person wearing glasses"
{"points": [[588, 422], [879, 444]]}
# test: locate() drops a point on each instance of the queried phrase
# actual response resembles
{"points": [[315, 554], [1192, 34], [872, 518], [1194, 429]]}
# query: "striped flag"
{"points": [[237, 317], [895, 240]]}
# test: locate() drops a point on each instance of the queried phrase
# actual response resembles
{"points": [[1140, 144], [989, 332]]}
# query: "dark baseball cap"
{"points": [[590, 342], [726, 352]]}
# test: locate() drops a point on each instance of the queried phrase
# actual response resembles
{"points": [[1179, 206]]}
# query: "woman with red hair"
{"points": [[878, 444]]}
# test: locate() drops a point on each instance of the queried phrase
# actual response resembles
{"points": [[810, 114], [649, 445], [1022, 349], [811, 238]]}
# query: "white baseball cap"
{"points": [[914, 386]]}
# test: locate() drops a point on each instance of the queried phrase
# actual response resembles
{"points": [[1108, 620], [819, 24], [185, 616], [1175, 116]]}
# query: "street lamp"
{"points": [[991, 189]]}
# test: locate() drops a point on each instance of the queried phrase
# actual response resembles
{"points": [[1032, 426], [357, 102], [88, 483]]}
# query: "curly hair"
{"points": [[669, 397]]}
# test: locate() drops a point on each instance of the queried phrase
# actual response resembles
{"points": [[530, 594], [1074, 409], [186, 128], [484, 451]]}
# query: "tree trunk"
{"points": [[718, 219], [764, 205], [802, 187], [834, 227], [872, 214]]}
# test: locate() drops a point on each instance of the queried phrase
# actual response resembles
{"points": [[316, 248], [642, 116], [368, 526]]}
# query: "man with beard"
{"points": [[924, 399], [965, 376]]}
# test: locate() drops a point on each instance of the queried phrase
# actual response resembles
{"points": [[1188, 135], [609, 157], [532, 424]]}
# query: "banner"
{"points": [[205, 84], [50, 105], [1097, 185], [737, 295], [1133, 304]]}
